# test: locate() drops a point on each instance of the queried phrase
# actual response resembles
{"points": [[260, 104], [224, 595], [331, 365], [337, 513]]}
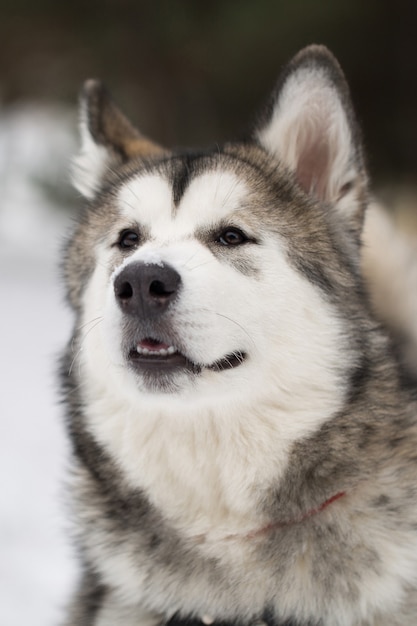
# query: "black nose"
{"points": [[146, 290]]}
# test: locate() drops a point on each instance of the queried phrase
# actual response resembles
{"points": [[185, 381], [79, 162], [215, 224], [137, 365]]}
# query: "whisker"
{"points": [[229, 319], [190, 259], [130, 206], [97, 321], [201, 264]]}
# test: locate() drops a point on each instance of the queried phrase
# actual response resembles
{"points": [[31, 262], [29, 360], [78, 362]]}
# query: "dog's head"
{"points": [[222, 270]]}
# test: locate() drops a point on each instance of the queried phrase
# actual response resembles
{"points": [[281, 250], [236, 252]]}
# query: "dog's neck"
{"points": [[277, 525], [272, 526]]}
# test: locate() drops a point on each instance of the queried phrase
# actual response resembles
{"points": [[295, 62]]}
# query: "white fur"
{"points": [[90, 165], [209, 430]]}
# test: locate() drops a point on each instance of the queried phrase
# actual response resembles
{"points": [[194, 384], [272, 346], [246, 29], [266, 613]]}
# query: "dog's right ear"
{"points": [[108, 139]]}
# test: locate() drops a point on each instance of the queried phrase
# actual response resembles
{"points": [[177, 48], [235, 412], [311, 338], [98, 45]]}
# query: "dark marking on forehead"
{"points": [[184, 167], [181, 178]]}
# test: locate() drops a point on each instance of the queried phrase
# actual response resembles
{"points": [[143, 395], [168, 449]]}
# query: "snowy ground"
{"points": [[37, 571]]}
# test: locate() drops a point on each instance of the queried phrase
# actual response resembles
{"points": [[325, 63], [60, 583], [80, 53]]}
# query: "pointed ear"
{"points": [[310, 126], [108, 139]]}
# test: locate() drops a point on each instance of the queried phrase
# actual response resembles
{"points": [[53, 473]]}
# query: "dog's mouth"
{"points": [[151, 354]]}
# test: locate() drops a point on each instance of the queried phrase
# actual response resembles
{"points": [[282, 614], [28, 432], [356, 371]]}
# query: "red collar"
{"points": [[253, 534], [276, 525]]}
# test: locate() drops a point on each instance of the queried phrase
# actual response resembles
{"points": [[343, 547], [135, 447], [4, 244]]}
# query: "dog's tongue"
{"points": [[152, 344]]}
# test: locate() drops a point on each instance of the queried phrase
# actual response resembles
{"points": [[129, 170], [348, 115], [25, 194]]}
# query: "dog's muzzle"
{"points": [[144, 293]]}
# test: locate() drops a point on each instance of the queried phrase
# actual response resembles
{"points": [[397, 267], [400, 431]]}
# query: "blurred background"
{"points": [[186, 72]]}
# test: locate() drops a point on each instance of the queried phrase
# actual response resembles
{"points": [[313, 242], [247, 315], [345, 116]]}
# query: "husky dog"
{"points": [[244, 428]]}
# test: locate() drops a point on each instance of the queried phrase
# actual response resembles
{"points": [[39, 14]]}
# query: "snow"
{"points": [[37, 567]]}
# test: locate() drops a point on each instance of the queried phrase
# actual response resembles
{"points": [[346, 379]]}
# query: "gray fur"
{"points": [[367, 450]]}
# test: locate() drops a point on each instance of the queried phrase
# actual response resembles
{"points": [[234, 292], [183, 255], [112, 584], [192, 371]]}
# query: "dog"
{"points": [[243, 422]]}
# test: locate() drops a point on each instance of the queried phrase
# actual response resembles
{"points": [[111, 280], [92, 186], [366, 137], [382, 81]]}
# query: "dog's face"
{"points": [[206, 274], [178, 303], [200, 294]]}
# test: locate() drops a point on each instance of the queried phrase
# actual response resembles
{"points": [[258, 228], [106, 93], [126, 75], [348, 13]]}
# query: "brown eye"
{"points": [[232, 237], [128, 239]]}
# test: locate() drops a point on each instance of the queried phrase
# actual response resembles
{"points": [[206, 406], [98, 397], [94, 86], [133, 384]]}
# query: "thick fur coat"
{"points": [[244, 427]]}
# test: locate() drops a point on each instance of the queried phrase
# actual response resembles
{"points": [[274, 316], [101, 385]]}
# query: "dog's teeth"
{"points": [[158, 352]]}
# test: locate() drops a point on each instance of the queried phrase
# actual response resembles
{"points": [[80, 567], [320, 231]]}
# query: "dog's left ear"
{"points": [[108, 139], [311, 127]]}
